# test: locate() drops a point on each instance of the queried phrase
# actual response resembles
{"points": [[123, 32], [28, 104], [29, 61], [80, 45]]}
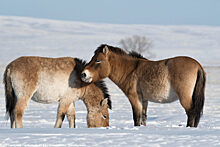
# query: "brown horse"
{"points": [[143, 80], [48, 80]]}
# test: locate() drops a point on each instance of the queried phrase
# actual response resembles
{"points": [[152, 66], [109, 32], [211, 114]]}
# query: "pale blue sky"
{"points": [[161, 12]]}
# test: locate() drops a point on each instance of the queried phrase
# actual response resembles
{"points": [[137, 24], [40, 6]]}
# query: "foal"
{"points": [[143, 80], [48, 80]]}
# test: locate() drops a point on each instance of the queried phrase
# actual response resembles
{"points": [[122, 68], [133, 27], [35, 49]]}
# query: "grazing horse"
{"points": [[48, 80], [143, 80]]}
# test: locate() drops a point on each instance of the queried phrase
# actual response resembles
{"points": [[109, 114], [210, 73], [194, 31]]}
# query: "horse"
{"points": [[143, 80], [48, 80]]}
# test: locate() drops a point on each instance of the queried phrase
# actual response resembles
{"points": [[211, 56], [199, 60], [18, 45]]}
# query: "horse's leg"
{"points": [[19, 111], [144, 112], [186, 102], [61, 112], [60, 116], [12, 120], [137, 109], [71, 115]]}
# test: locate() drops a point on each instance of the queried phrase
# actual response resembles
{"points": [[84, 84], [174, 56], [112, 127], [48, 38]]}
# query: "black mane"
{"points": [[119, 51], [101, 84], [80, 65], [136, 55], [111, 48]]}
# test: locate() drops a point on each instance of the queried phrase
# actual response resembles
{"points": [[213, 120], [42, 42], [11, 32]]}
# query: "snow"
{"points": [[166, 122]]}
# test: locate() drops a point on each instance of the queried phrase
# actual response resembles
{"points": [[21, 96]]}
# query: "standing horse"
{"points": [[143, 80], [48, 80]]}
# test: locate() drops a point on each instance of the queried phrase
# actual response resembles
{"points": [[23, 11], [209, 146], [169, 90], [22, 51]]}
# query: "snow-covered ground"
{"points": [[166, 122]]}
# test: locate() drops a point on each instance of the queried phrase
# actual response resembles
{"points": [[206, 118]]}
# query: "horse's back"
{"points": [[45, 79], [183, 64]]}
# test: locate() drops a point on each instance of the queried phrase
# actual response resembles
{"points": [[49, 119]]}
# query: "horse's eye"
{"points": [[104, 116], [97, 61]]}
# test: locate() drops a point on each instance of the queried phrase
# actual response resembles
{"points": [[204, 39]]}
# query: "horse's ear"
{"points": [[105, 50], [104, 102]]}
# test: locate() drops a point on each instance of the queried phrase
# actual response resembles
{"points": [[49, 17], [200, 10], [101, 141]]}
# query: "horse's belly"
{"points": [[52, 88], [163, 98], [51, 93], [163, 94], [44, 98]]}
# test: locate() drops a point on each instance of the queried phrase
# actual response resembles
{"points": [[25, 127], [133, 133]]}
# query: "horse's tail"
{"points": [[198, 97], [10, 98]]}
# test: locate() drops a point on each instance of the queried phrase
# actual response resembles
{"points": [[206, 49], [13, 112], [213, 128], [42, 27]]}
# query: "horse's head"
{"points": [[97, 101], [99, 67], [99, 116]]}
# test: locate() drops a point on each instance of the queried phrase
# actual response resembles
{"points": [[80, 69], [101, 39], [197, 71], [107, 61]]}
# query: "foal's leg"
{"points": [[144, 112], [19, 112], [137, 109], [61, 111], [71, 115]]}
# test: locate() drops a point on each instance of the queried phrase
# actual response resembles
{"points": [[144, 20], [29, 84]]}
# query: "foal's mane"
{"points": [[119, 51], [101, 84], [80, 65]]}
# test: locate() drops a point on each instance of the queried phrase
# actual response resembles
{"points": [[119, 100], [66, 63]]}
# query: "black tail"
{"points": [[10, 98], [198, 99]]}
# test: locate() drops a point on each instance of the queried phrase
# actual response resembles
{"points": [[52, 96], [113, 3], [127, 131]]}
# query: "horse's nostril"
{"points": [[83, 75]]}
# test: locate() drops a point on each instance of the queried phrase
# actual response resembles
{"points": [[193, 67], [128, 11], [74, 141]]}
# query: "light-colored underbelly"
{"points": [[52, 91], [45, 99], [163, 94], [48, 96]]}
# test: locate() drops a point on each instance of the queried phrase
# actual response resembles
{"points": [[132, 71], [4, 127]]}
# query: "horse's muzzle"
{"points": [[85, 78], [83, 75]]}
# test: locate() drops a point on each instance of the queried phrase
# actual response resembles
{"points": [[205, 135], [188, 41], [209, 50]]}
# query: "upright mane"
{"points": [[80, 65], [119, 51], [136, 55], [111, 48]]}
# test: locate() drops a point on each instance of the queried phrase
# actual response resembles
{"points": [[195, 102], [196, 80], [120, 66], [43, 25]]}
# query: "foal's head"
{"points": [[99, 67], [98, 102], [96, 99]]}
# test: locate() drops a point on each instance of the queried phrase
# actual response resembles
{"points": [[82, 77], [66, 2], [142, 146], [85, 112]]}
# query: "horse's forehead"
{"points": [[96, 55]]}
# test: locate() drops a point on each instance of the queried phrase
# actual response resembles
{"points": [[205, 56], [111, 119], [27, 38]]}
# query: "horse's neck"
{"points": [[121, 67], [91, 96]]}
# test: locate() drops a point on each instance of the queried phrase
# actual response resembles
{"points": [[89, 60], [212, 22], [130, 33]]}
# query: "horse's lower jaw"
{"points": [[87, 80]]}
